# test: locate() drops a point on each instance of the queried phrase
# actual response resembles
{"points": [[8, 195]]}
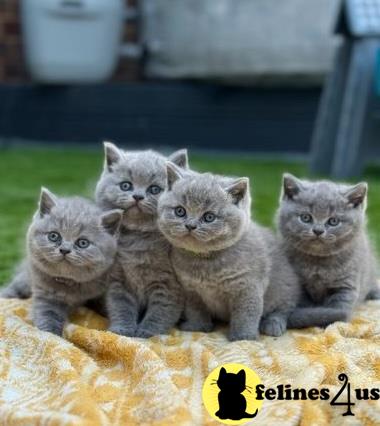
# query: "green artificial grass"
{"points": [[75, 171]]}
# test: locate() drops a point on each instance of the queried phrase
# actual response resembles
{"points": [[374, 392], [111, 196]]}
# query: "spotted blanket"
{"points": [[93, 377]]}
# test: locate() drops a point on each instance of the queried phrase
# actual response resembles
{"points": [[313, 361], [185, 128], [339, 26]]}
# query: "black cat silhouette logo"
{"points": [[228, 394], [232, 403]]}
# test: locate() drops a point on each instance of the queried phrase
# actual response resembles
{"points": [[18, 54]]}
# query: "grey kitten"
{"points": [[71, 247], [144, 298], [324, 229], [219, 256]]}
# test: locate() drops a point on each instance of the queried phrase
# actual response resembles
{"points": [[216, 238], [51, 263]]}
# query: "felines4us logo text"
{"points": [[233, 394]]}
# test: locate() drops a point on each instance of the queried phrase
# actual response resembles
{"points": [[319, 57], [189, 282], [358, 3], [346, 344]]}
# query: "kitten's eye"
{"points": [[54, 237], [306, 218], [82, 243], [209, 217], [154, 189], [126, 186], [180, 211], [333, 221]]}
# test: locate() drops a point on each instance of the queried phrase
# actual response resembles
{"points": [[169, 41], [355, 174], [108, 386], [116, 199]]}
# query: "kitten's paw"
{"points": [[235, 335], [273, 326], [12, 292], [145, 333], [122, 330], [205, 327], [7, 294]]}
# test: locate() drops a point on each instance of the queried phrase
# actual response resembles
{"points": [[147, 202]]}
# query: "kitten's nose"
{"points": [[138, 197], [65, 251], [318, 231], [191, 227]]}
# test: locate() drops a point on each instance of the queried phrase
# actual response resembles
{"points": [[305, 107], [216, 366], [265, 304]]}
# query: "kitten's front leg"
{"points": [[49, 315], [164, 309], [246, 310], [122, 308], [197, 317]]}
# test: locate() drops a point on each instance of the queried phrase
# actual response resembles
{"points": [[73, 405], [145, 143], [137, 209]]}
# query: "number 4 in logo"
{"points": [[343, 378]]}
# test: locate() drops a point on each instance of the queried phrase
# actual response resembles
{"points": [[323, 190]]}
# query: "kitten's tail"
{"points": [[251, 416], [318, 316]]}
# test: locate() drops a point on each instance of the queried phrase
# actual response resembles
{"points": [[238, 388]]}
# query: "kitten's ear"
{"points": [[47, 201], [111, 221], [357, 195], [180, 158], [238, 189], [291, 186], [241, 375], [112, 155], [173, 174]]}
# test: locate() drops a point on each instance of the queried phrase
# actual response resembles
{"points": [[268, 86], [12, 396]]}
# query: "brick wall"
{"points": [[12, 65]]}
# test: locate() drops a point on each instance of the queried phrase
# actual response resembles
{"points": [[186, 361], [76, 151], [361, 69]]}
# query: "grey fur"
{"points": [[61, 282], [243, 252], [337, 269], [224, 264], [144, 298], [284, 290], [19, 287]]}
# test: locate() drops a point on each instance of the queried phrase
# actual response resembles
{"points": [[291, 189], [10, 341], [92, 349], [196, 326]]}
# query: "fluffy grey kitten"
{"points": [[221, 258], [144, 298], [324, 229], [71, 247]]}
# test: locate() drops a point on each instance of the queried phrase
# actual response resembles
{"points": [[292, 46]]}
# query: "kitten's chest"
{"points": [[69, 292], [197, 271], [216, 300], [135, 250], [320, 276], [144, 259], [207, 278]]}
